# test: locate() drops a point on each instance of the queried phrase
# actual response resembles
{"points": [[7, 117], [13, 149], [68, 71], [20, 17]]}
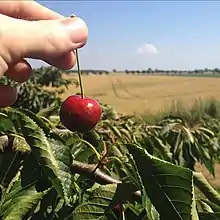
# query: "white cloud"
{"points": [[147, 48]]}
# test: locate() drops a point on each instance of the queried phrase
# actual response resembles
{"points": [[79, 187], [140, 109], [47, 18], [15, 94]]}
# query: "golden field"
{"points": [[151, 94], [146, 94]]}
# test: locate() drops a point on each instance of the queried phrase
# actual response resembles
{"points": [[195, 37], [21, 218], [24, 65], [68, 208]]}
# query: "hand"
{"points": [[29, 30]]}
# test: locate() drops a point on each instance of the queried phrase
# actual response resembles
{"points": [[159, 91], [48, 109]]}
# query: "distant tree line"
{"points": [[149, 71]]}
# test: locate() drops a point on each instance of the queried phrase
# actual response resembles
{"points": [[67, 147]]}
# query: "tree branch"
{"points": [[98, 176]]}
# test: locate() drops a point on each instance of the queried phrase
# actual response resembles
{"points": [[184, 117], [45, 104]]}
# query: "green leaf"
{"points": [[32, 172], [204, 206], [37, 120], [3, 142], [209, 216], [20, 145], [123, 192], [213, 206], [96, 206], [54, 157], [42, 125], [188, 134], [169, 187], [205, 187], [10, 163], [6, 125], [64, 160], [20, 201]]}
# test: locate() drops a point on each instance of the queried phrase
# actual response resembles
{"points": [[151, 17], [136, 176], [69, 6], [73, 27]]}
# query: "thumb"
{"points": [[44, 39]]}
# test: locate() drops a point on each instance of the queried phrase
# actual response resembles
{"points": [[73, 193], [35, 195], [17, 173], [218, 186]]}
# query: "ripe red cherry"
{"points": [[80, 114]]}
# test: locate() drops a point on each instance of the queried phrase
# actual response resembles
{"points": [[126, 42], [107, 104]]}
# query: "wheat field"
{"points": [[146, 94], [150, 94]]}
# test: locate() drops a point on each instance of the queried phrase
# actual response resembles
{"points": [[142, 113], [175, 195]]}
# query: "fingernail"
{"points": [[76, 28]]}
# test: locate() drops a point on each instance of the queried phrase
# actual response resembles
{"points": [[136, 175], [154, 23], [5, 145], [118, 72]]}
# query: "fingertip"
{"points": [[20, 71], [8, 96], [64, 62], [77, 28]]}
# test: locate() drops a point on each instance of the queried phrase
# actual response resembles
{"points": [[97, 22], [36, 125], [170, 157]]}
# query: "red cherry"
{"points": [[80, 114]]}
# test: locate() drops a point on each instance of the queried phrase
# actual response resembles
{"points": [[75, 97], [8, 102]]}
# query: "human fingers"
{"points": [[66, 61], [30, 10], [8, 96], [46, 40], [19, 71], [22, 70]]}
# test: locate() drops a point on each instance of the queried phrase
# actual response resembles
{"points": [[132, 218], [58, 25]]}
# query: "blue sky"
{"points": [[143, 34]]}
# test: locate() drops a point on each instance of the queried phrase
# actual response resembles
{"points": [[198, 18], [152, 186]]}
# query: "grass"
{"points": [[192, 114]]}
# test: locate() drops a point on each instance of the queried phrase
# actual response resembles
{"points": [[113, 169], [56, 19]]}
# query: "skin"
{"points": [[30, 30]]}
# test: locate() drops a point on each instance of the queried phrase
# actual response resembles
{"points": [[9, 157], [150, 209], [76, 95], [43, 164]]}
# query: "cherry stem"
{"points": [[79, 74], [78, 68]]}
